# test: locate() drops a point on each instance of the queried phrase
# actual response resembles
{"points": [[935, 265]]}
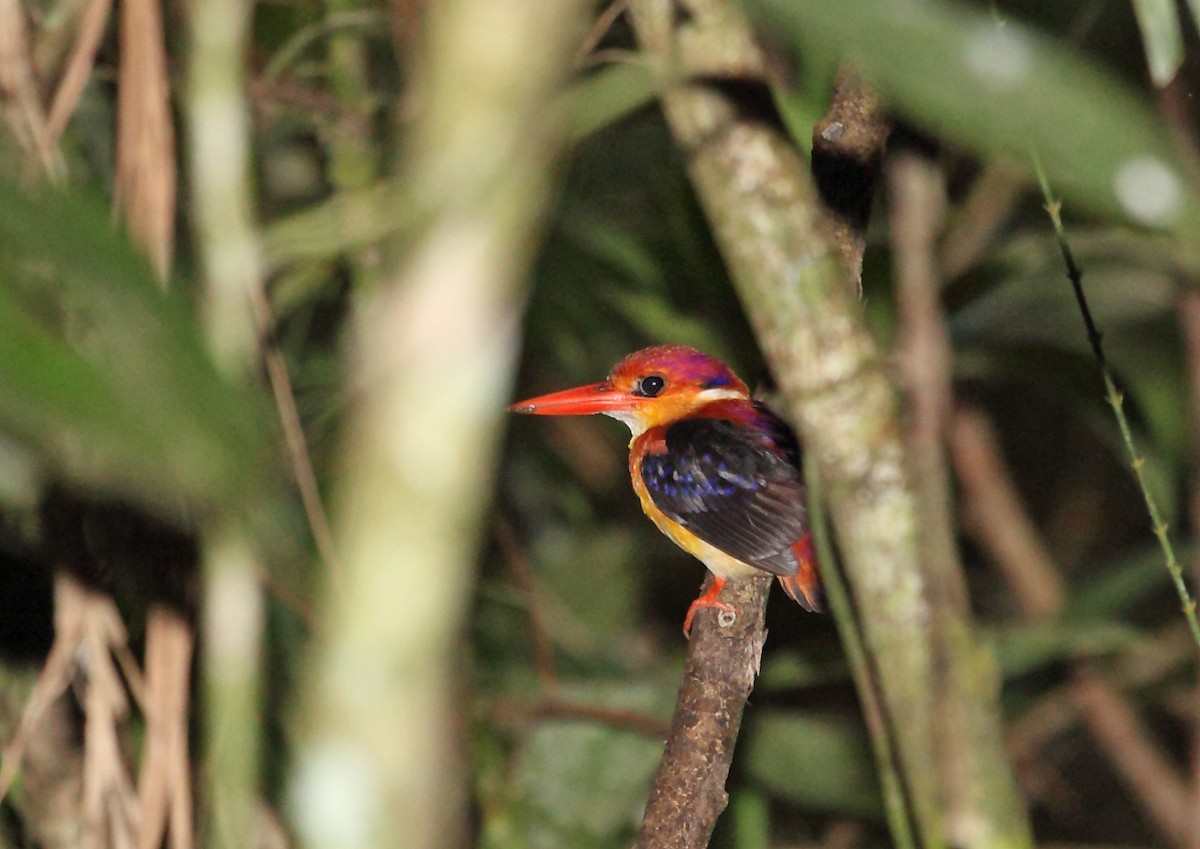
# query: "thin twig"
{"points": [[847, 151], [1150, 776], [518, 563], [988, 206], [294, 439], [22, 105], [553, 708], [1117, 401], [78, 68], [996, 516], [603, 23]]}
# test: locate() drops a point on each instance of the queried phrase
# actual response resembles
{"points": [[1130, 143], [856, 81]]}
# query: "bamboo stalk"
{"points": [[226, 238], [379, 763]]}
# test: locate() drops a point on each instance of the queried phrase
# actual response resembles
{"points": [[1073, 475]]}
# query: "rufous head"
{"points": [[649, 387]]}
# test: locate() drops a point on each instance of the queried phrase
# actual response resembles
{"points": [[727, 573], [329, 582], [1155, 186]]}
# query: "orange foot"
{"points": [[709, 599]]}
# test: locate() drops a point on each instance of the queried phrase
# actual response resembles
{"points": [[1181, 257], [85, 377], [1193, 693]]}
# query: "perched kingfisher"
{"points": [[716, 471]]}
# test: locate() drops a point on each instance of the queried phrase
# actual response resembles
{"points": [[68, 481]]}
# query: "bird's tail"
{"points": [[805, 586]]}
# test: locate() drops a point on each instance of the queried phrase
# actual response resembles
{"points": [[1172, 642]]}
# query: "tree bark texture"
{"points": [[722, 661], [768, 220]]}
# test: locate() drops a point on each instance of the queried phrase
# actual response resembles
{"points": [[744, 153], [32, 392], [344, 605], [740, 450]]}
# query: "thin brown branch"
{"points": [[923, 347], [19, 98], [295, 441], [110, 804], [996, 516], [87, 630], [518, 564], [78, 69], [553, 708], [722, 661], [1138, 759], [1147, 772], [600, 27], [54, 677], [164, 779], [988, 205], [51, 802]]}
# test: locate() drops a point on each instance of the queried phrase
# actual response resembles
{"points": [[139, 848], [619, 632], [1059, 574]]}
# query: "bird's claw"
{"points": [[727, 616]]}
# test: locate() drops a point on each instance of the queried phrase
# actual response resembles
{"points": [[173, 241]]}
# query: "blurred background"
{"points": [[446, 207]]}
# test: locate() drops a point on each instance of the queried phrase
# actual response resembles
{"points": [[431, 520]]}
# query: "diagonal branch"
{"points": [[689, 788]]}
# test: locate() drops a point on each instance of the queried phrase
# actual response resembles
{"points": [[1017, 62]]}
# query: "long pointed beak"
{"points": [[580, 401]]}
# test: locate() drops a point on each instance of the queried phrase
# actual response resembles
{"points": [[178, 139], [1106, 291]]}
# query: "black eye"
{"points": [[650, 385]]}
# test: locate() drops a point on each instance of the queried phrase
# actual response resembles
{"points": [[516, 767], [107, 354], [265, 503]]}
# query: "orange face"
{"points": [[650, 387]]}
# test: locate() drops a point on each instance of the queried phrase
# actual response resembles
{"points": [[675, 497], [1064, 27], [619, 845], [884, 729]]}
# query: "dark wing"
{"points": [[736, 487]]}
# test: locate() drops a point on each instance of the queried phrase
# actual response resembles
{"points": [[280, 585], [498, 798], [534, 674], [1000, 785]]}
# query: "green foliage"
{"points": [[1163, 39], [102, 372], [105, 385], [819, 762], [1002, 89]]}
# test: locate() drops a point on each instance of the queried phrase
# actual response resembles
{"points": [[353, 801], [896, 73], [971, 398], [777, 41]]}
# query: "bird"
{"points": [[715, 470]]}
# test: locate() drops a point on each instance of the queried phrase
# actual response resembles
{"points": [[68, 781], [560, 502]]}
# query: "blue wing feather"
{"points": [[735, 484]]}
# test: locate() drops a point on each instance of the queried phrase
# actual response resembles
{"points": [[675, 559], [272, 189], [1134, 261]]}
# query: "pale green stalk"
{"points": [[379, 756], [849, 629], [1116, 400], [227, 243]]}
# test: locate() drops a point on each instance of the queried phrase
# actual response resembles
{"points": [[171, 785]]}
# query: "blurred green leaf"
{"points": [[821, 762], [661, 322], [583, 783], [103, 374], [1113, 591], [1194, 8], [593, 611], [606, 96], [792, 670], [1020, 648], [1004, 90], [1161, 38], [1025, 296], [750, 817], [1021, 311], [804, 102], [614, 245]]}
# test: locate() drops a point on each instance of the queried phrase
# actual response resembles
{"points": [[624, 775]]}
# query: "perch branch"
{"points": [[689, 789]]}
